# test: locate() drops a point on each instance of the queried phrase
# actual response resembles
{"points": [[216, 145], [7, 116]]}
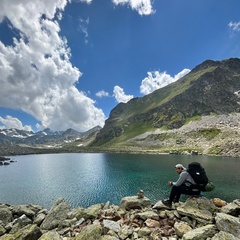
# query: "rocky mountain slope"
{"points": [[217, 135], [20, 142], [205, 96]]}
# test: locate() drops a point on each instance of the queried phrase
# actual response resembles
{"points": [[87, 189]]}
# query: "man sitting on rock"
{"points": [[184, 185]]}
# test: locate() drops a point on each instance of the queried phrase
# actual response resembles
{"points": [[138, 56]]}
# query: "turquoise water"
{"points": [[84, 179]]}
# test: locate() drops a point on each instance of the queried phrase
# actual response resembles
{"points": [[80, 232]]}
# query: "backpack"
{"points": [[199, 176]]}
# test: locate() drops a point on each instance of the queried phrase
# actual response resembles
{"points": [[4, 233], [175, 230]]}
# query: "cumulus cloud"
{"points": [[102, 94], [120, 96], [11, 122], [36, 73], [143, 7], [235, 26], [156, 80]]}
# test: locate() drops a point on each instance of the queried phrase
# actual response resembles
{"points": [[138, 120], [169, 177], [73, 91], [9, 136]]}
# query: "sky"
{"points": [[67, 64]]}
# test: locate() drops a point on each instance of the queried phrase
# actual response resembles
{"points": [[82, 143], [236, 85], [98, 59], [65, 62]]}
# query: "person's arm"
{"points": [[180, 180]]}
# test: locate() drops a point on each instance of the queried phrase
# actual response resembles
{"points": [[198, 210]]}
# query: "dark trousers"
{"points": [[177, 191]]}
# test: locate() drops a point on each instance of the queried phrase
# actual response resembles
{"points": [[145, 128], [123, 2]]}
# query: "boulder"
{"points": [[133, 202], [51, 235], [181, 228], [90, 232], [147, 214], [30, 231], [152, 223], [232, 208], [23, 209], [111, 225], [108, 237], [160, 205], [5, 214], [224, 236], [228, 223], [201, 233], [144, 232], [19, 223], [8, 237], [92, 211], [124, 232], [199, 209], [39, 219], [2, 230], [56, 215]]}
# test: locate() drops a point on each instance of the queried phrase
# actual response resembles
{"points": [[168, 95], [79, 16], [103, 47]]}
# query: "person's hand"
{"points": [[170, 183]]}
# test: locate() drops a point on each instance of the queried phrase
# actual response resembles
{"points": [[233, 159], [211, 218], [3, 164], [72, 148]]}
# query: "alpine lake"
{"points": [[84, 179]]}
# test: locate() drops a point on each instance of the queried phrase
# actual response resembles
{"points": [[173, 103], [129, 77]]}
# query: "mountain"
{"points": [[210, 89], [199, 113], [47, 136]]}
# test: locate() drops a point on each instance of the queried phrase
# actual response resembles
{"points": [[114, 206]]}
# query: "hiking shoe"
{"points": [[167, 203]]}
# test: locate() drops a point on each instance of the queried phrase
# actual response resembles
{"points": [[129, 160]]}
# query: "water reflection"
{"points": [[86, 179]]}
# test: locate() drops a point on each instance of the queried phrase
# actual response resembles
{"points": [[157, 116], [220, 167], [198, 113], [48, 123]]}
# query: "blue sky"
{"points": [[67, 64]]}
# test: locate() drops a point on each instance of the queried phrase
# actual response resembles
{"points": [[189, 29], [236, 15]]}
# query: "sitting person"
{"points": [[184, 185]]}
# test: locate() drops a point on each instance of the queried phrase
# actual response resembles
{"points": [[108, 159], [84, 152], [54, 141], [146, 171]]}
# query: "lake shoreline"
{"points": [[18, 151]]}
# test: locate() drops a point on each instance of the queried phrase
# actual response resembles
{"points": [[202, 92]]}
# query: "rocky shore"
{"points": [[135, 218]]}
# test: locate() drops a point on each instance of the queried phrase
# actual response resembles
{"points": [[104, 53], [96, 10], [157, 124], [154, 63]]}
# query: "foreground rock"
{"points": [[135, 218]]}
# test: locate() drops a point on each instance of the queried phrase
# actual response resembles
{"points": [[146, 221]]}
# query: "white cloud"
{"points": [[120, 96], [83, 27], [85, 1], [143, 7], [235, 26], [11, 122], [102, 93], [156, 80], [36, 73]]}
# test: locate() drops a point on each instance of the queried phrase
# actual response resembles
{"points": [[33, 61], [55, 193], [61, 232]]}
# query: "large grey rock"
{"points": [[143, 232], [90, 232], [133, 202], [198, 208], [39, 219], [181, 228], [2, 230], [56, 215], [110, 225], [76, 213], [20, 222], [92, 211], [28, 232], [51, 235], [8, 237], [232, 208], [23, 209], [159, 205], [124, 232], [5, 214], [108, 237], [224, 236], [147, 214], [228, 223], [201, 233]]}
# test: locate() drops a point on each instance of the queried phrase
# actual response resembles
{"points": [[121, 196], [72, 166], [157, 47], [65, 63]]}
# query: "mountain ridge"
{"points": [[210, 88], [46, 136]]}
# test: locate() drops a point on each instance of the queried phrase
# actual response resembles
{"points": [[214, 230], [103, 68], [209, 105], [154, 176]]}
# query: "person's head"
{"points": [[179, 168]]}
